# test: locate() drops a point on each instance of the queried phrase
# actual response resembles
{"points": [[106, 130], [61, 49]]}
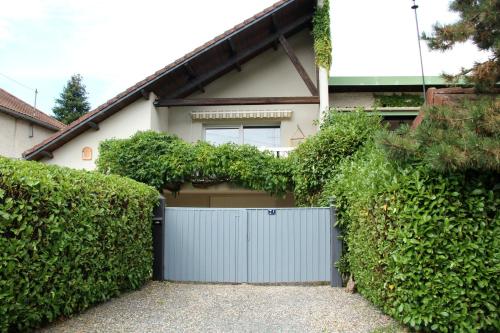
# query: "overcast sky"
{"points": [[114, 44]]}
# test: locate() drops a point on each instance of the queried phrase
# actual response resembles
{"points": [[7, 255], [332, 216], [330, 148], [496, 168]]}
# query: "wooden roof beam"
{"points": [[242, 55], [47, 154], [93, 125], [237, 101], [234, 52], [274, 29], [298, 66], [145, 94], [192, 75]]}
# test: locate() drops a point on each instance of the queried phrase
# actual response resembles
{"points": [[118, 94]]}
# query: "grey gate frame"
{"points": [[250, 245]]}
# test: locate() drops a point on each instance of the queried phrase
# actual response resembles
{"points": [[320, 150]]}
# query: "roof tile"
{"points": [[16, 105]]}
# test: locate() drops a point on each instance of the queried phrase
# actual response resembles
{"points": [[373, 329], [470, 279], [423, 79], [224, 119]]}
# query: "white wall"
{"points": [[126, 122], [15, 135]]}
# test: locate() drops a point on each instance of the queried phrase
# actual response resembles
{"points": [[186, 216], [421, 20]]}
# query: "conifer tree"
{"points": [[480, 22], [72, 103], [457, 137]]}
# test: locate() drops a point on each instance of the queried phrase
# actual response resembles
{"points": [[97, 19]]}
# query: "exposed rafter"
{"points": [[47, 154], [234, 52], [242, 55], [237, 101], [145, 94], [298, 66], [192, 75], [274, 29], [93, 125]]}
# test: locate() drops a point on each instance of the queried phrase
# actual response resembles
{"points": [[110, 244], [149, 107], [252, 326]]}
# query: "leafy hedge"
{"points": [[165, 161], [423, 245], [422, 227], [68, 239], [315, 161]]}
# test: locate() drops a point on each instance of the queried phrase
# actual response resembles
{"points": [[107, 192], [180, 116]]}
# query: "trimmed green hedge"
{"points": [[423, 245], [68, 239]]}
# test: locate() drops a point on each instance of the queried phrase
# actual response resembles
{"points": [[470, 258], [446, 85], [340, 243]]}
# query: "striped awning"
{"points": [[227, 114]]}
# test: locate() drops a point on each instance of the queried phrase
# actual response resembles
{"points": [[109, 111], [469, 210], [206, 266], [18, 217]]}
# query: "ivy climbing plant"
{"points": [[165, 161], [398, 100], [321, 35]]}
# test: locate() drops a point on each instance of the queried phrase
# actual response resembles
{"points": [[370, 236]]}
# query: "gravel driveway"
{"points": [[169, 307]]}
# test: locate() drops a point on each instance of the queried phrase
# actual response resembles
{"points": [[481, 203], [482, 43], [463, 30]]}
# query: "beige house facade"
{"points": [[22, 126]]}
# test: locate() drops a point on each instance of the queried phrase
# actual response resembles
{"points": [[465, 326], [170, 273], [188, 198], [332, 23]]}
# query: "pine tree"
{"points": [[72, 103], [480, 22], [458, 137]]}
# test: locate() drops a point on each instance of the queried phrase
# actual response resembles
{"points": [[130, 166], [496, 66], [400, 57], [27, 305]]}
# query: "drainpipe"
{"points": [[323, 86]]}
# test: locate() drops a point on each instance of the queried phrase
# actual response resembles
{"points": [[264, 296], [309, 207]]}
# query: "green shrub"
{"points": [[165, 161], [321, 35], [423, 245], [315, 161], [68, 239], [398, 100]]}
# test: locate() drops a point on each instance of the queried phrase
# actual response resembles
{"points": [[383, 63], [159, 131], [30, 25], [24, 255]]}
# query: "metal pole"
{"points": [[36, 94], [414, 7]]}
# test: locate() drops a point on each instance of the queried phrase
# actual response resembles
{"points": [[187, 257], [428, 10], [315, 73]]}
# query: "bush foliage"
{"points": [[399, 100], [315, 161], [165, 161], [422, 245], [321, 35], [422, 228], [68, 239]]}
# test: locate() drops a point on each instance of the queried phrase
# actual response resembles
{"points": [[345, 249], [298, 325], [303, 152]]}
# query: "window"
{"points": [[260, 136]]}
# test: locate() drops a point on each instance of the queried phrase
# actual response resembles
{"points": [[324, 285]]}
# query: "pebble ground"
{"points": [[173, 307]]}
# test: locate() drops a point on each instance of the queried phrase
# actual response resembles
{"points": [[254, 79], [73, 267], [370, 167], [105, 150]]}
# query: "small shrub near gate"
{"points": [[68, 239]]}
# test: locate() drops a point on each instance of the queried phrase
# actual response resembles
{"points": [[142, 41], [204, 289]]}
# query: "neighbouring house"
{"points": [[257, 83], [22, 126], [397, 98]]}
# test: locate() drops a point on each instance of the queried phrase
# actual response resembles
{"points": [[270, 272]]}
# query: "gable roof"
{"points": [[17, 108], [199, 67]]}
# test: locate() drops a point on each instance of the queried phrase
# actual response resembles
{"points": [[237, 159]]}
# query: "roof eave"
{"points": [[28, 118]]}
